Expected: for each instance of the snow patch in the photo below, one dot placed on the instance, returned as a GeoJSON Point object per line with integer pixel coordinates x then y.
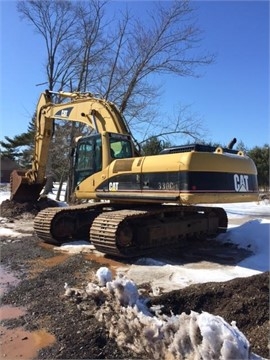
{"type": "Point", "coordinates": [145, 330]}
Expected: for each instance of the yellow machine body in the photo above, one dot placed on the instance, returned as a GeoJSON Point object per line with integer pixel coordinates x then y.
{"type": "Point", "coordinates": [134, 197]}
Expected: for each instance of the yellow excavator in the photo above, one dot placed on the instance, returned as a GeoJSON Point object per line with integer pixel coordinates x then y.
{"type": "Point", "coordinates": [129, 205]}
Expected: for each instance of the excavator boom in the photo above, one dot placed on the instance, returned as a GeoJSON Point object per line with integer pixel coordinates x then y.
{"type": "Point", "coordinates": [99, 114]}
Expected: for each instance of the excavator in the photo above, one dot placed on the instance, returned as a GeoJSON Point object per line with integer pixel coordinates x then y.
{"type": "Point", "coordinates": [129, 205]}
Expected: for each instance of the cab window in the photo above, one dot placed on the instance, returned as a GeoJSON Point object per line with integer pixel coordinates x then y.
{"type": "Point", "coordinates": [120, 149]}
{"type": "Point", "coordinates": [88, 158]}
{"type": "Point", "coordinates": [85, 158]}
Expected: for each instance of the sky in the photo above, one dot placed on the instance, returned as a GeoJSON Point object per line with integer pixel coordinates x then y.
{"type": "Point", "coordinates": [231, 97]}
{"type": "Point", "coordinates": [164, 276]}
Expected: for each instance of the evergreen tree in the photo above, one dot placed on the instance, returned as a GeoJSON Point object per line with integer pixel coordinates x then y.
{"type": "Point", "coordinates": [153, 146]}
{"type": "Point", "coordinates": [260, 156]}
{"type": "Point", "coordinates": [8, 149]}
{"type": "Point", "coordinates": [20, 148]}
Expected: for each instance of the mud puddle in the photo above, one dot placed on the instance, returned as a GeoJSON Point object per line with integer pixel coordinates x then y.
{"type": "Point", "coordinates": [21, 344]}
{"type": "Point", "coordinates": [7, 280]}
{"type": "Point", "coordinates": [17, 342]}
{"type": "Point", "coordinates": [11, 312]}
{"type": "Point", "coordinates": [40, 264]}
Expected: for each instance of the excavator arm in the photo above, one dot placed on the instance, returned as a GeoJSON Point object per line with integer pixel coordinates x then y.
{"type": "Point", "coordinates": [99, 114]}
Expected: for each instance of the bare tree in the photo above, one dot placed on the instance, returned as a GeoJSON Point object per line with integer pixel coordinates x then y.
{"type": "Point", "coordinates": [90, 30]}
{"type": "Point", "coordinates": [117, 56]}
{"type": "Point", "coordinates": [183, 124]}
{"type": "Point", "coordinates": [164, 43]}
{"type": "Point", "coordinates": [54, 21]}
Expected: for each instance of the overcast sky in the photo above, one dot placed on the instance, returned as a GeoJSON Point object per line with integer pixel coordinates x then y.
{"type": "Point", "coordinates": [231, 98]}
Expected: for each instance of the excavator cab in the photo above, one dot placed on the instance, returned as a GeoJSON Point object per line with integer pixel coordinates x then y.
{"type": "Point", "coordinates": [95, 152]}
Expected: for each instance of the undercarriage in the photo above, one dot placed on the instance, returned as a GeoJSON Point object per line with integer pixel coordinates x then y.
{"type": "Point", "coordinates": [125, 231]}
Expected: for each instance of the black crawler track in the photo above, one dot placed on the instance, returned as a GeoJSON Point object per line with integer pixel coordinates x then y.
{"type": "Point", "coordinates": [129, 232]}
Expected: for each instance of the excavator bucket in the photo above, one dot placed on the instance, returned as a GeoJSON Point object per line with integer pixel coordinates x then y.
{"type": "Point", "coordinates": [21, 190]}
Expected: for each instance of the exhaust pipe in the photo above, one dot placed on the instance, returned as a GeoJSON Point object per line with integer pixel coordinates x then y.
{"type": "Point", "coordinates": [232, 143]}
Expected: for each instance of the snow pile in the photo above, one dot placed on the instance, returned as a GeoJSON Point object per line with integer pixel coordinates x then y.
{"type": "Point", "coordinates": [104, 275]}
{"type": "Point", "coordinates": [147, 332]}
{"type": "Point", "coordinates": [253, 235]}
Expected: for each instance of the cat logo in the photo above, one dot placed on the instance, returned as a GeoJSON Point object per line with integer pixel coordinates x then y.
{"type": "Point", "coordinates": [113, 186]}
{"type": "Point", "coordinates": [64, 113]}
{"type": "Point", "coordinates": [241, 183]}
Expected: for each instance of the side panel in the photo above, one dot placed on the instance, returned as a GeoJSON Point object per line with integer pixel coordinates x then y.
{"type": "Point", "coordinates": [182, 178]}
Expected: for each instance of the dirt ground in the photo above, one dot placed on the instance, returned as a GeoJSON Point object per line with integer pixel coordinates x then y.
{"type": "Point", "coordinates": [43, 273]}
